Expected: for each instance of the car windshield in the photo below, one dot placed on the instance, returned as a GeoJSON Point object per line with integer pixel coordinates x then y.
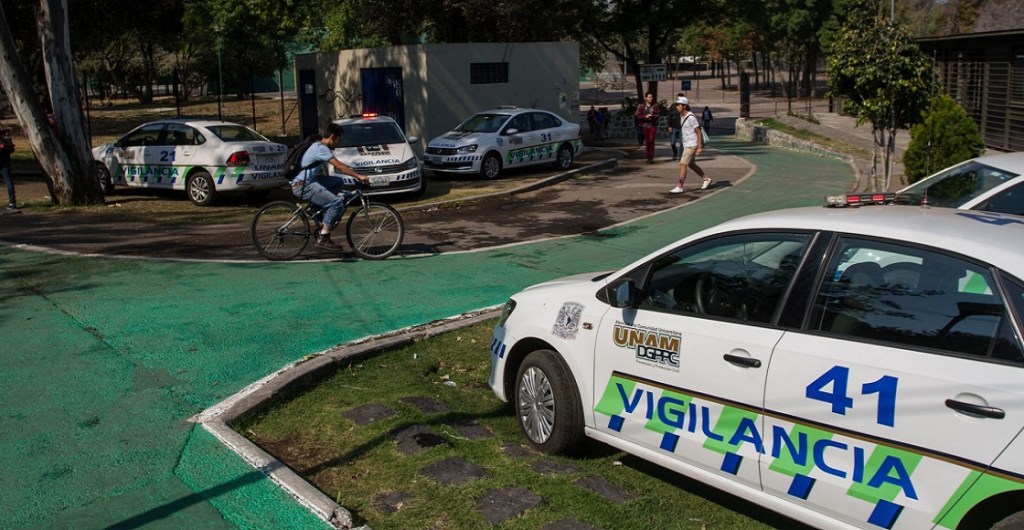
{"type": "Point", "coordinates": [956, 186]}
{"type": "Point", "coordinates": [236, 133]}
{"type": "Point", "coordinates": [484, 123]}
{"type": "Point", "coordinates": [359, 134]}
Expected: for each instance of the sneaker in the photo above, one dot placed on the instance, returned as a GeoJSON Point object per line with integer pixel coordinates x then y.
{"type": "Point", "coordinates": [324, 241]}
{"type": "Point", "coordinates": [707, 184]}
{"type": "Point", "coordinates": [12, 206]}
{"type": "Point", "coordinates": [677, 189]}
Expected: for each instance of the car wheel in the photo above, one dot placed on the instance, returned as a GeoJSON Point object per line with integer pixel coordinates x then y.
{"type": "Point", "coordinates": [1013, 522]}
{"type": "Point", "coordinates": [491, 167]}
{"type": "Point", "coordinates": [564, 160]}
{"type": "Point", "coordinates": [106, 182]}
{"type": "Point", "coordinates": [200, 188]}
{"type": "Point", "coordinates": [547, 403]}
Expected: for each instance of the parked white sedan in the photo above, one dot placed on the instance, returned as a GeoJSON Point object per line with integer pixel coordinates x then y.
{"type": "Point", "coordinates": [991, 183]}
{"type": "Point", "coordinates": [202, 157]}
{"type": "Point", "coordinates": [375, 146]}
{"type": "Point", "coordinates": [850, 368]}
{"type": "Point", "coordinates": [491, 141]}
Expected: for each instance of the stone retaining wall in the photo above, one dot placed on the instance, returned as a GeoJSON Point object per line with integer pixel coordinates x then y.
{"type": "Point", "coordinates": [749, 130]}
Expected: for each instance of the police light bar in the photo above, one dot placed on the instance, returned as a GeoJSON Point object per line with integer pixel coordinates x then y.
{"type": "Point", "coordinates": [859, 199]}
{"type": "Point", "coordinates": [369, 115]}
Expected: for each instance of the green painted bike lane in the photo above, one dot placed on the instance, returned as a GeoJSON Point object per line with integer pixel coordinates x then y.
{"type": "Point", "coordinates": [104, 360]}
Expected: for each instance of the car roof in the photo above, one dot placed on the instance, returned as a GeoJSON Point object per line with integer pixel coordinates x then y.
{"type": "Point", "coordinates": [200, 122]}
{"type": "Point", "coordinates": [510, 110]}
{"type": "Point", "coordinates": [357, 119]}
{"type": "Point", "coordinates": [1012, 162]}
{"type": "Point", "coordinates": [994, 238]}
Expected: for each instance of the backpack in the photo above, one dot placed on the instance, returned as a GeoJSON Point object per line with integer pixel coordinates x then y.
{"type": "Point", "coordinates": [293, 160]}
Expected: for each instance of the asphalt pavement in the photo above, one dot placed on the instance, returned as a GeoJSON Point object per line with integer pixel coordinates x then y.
{"type": "Point", "coordinates": [106, 359]}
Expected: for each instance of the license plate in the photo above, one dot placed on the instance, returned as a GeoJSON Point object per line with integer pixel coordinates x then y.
{"type": "Point", "coordinates": [379, 180]}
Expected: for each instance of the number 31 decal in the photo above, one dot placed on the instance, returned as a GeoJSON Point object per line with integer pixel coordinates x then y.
{"type": "Point", "coordinates": [833, 388]}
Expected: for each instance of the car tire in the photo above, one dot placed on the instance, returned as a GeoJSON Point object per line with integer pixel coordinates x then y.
{"type": "Point", "coordinates": [547, 403]}
{"type": "Point", "coordinates": [565, 156]}
{"type": "Point", "coordinates": [490, 168]}
{"type": "Point", "coordinates": [1013, 522]}
{"type": "Point", "coordinates": [200, 188]}
{"type": "Point", "coordinates": [106, 182]}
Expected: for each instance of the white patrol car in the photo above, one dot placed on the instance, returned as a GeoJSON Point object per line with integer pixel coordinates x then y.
{"type": "Point", "coordinates": [375, 146]}
{"type": "Point", "coordinates": [202, 157]}
{"type": "Point", "coordinates": [849, 368]}
{"type": "Point", "coordinates": [991, 183]}
{"type": "Point", "coordinates": [493, 140]}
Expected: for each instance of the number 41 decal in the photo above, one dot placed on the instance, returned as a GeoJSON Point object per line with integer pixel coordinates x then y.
{"type": "Point", "coordinates": [833, 388]}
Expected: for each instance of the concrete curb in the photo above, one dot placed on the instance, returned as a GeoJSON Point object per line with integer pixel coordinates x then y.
{"type": "Point", "coordinates": [306, 371]}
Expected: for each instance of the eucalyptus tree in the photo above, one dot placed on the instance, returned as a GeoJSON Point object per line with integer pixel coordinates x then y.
{"type": "Point", "coordinates": [62, 150]}
{"type": "Point", "coordinates": [884, 77]}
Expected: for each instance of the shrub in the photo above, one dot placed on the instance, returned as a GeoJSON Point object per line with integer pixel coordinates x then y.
{"type": "Point", "coordinates": [946, 136]}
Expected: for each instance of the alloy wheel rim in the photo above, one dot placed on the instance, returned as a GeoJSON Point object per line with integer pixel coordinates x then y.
{"type": "Point", "coordinates": [536, 405]}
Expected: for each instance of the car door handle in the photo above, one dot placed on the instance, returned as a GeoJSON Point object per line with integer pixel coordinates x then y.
{"type": "Point", "coordinates": [979, 410]}
{"type": "Point", "coordinates": [742, 361]}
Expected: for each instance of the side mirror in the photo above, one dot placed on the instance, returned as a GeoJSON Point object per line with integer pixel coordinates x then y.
{"type": "Point", "coordinates": [510, 132]}
{"type": "Point", "coordinates": [412, 139]}
{"type": "Point", "coordinates": [622, 293]}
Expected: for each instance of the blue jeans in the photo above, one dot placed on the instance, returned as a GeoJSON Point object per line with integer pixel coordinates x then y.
{"type": "Point", "coordinates": [674, 138]}
{"type": "Point", "coordinates": [327, 192]}
{"type": "Point", "coordinates": [5, 168]}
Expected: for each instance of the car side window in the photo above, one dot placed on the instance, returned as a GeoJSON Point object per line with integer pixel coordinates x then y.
{"type": "Point", "coordinates": [544, 121]}
{"type": "Point", "coordinates": [742, 276]}
{"type": "Point", "coordinates": [146, 135]}
{"type": "Point", "coordinates": [909, 296]}
{"type": "Point", "coordinates": [179, 134]}
{"type": "Point", "coordinates": [1007, 201]}
{"type": "Point", "coordinates": [520, 123]}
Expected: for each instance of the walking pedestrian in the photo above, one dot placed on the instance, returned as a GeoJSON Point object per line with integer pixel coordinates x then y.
{"type": "Point", "coordinates": [706, 118]}
{"type": "Point", "coordinates": [647, 119]}
{"type": "Point", "coordinates": [6, 148]}
{"type": "Point", "coordinates": [693, 145]}
{"type": "Point", "coordinates": [673, 129]}
{"type": "Point", "coordinates": [600, 125]}
{"type": "Point", "coordinates": [592, 120]}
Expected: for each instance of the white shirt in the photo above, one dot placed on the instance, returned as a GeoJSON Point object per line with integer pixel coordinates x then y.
{"type": "Point", "coordinates": [689, 127]}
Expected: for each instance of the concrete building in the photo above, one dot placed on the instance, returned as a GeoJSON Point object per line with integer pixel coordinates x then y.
{"type": "Point", "coordinates": [430, 88]}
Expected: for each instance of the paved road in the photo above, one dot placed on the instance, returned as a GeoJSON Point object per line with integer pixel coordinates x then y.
{"type": "Point", "coordinates": [105, 360]}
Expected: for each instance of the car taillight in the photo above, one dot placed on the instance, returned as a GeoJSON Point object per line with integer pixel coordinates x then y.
{"type": "Point", "coordinates": [239, 158]}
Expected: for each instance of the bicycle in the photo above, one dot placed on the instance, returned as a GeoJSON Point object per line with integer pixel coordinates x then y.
{"type": "Point", "coordinates": [281, 229]}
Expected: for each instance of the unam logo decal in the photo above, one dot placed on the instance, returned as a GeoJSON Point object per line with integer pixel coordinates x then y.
{"type": "Point", "coordinates": [568, 321]}
{"type": "Point", "coordinates": [654, 347]}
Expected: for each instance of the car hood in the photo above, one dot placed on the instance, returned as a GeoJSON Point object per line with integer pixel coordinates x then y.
{"type": "Point", "coordinates": [457, 139]}
{"type": "Point", "coordinates": [374, 155]}
{"type": "Point", "coordinates": [587, 279]}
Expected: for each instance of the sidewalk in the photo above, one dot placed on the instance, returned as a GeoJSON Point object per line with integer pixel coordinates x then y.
{"type": "Point", "coordinates": [725, 105]}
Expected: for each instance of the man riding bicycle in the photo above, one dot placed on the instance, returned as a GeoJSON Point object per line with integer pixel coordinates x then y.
{"type": "Point", "coordinates": [319, 187]}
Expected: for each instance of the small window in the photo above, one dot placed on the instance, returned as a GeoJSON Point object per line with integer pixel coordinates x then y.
{"type": "Point", "coordinates": [913, 297]}
{"type": "Point", "coordinates": [178, 134]}
{"type": "Point", "coordinates": [1010, 200]}
{"type": "Point", "coordinates": [543, 120]}
{"type": "Point", "coordinates": [742, 277]}
{"type": "Point", "coordinates": [488, 73]}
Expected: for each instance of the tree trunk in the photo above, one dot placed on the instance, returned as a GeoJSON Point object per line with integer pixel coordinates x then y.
{"type": "Point", "coordinates": [878, 133]}
{"type": "Point", "coordinates": [62, 151]}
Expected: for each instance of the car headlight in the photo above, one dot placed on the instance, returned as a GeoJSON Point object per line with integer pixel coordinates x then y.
{"type": "Point", "coordinates": [412, 163]}
{"type": "Point", "coordinates": [466, 149]}
{"type": "Point", "coordinates": [506, 311]}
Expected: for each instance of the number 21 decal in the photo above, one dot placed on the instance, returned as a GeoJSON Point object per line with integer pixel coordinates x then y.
{"type": "Point", "coordinates": [833, 388]}
{"type": "Point", "coordinates": [167, 156]}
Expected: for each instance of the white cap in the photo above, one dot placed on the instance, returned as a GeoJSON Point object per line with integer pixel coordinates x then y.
{"type": "Point", "coordinates": [682, 100]}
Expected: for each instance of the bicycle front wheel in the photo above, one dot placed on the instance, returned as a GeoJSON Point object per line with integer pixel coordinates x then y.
{"type": "Point", "coordinates": [280, 230]}
{"type": "Point", "coordinates": [375, 232]}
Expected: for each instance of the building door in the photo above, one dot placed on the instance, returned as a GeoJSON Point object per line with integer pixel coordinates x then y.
{"type": "Point", "coordinates": [308, 122]}
{"type": "Point", "coordinates": [383, 93]}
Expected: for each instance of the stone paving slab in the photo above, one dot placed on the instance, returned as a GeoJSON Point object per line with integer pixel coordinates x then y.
{"type": "Point", "coordinates": [369, 413]}
{"type": "Point", "coordinates": [605, 489]}
{"type": "Point", "coordinates": [454, 471]}
{"type": "Point", "coordinates": [392, 502]}
{"type": "Point", "coordinates": [552, 467]}
{"type": "Point", "coordinates": [497, 506]}
{"type": "Point", "coordinates": [415, 439]}
{"type": "Point", "coordinates": [471, 431]}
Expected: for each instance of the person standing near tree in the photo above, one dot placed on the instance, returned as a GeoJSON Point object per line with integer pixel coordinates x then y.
{"type": "Point", "coordinates": [693, 145]}
{"type": "Point", "coordinates": [6, 148]}
{"type": "Point", "coordinates": [647, 119]}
